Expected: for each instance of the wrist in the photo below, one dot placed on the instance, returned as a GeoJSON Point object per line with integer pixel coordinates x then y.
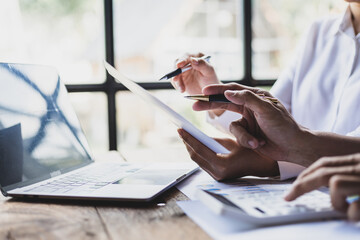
{"type": "Point", "coordinates": [303, 150]}
{"type": "Point", "coordinates": [264, 166]}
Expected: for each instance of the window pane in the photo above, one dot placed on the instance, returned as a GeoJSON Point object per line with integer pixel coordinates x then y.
{"type": "Point", "coordinates": [150, 35]}
{"type": "Point", "coordinates": [145, 132]}
{"type": "Point", "coordinates": [64, 33]}
{"type": "Point", "coordinates": [91, 109]}
{"type": "Point", "coordinates": [278, 26]}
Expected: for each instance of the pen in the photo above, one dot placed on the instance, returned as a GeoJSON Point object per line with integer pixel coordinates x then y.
{"type": "Point", "coordinates": [222, 98]}
{"type": "Point", "coordinates": [181, 70]}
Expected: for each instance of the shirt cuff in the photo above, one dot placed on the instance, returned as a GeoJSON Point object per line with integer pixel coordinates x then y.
{"type": "Point", "coordinates": [355, 133]}
{"type": "Point", "coordinates": [289, 170]}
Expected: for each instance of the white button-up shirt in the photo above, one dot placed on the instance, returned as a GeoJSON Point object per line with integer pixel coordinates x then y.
{"type": "Point", "coordinates": [321, 87]}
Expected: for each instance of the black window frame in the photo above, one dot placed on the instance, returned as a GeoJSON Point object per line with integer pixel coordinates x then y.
{"type": "Point", "coordinates": [110, 87]}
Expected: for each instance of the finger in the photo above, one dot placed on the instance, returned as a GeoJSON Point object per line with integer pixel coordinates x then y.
{"type": "Point", "coordinates": [202, 106]}
{"type": "Point", "coordinates": [176, 82]}
{"type": "Point", "coordinates": [342, 186]}
{"type": "Point", "coordinates": [197, 146]}
{"type": "Point", "coordinates": [197, 158]}
{"type": "Point", "coordinates": [319, 178]}
{"type": "Point", "coordinates": [353, 211]}
{"type": "Point", "coordinates": [250, 100]}
{"type": "Point", "coordinates": [182, 62]}
{"type": "Point", "coordinates": [185, 59]}
{"type": "Point", "coordinates": [243, 137]}
{"type": "Point", "coordinates": [202, 66]}
{"type": "Point", "coordinates": [180, 84]}
{"type": "Point", "coordinates": [305, 185]}
{"type": "Point", "coordinates": [331, 162]}
{"type": "Point", "coordinates": [221, 88]}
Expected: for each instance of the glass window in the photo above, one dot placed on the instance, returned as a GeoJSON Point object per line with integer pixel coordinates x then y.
{"type": "Point", "coordinates": [91, 109]}
{"type": "Point", "coordinates": [142, 127]}
{"type": "Point", "coordinates": [277, 26]}
{"type": "Point", "coordinates": [150, 35]}
{"type": "Point", "coordinates": [63, 33]}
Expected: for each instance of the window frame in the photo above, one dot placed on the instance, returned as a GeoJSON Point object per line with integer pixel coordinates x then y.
{"type": "Point", "coordinates": [110, 87]}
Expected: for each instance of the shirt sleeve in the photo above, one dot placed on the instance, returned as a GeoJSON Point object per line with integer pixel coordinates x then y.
{"type": "Point", "coordinates": [283, 87]}
{"type": "Point", "coordinates": [355, 133]}
{"type": "Point", "coordinates": [289, 170]}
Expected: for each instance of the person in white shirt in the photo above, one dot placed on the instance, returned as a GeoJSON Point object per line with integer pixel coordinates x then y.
{"type": "Point", "coordinates": [321, 90]}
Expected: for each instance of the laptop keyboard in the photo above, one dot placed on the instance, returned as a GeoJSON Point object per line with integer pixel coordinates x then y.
{"type": "Point", "coordinates": [267, 200]}
{"type": "Point", "coordinates": [87, 180]}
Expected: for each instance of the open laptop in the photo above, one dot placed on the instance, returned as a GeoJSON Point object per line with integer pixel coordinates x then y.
{"type": "Point", "coordinates": [44, 152]}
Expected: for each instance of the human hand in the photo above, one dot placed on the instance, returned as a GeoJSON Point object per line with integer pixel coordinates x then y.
{"type": "Point", "coordinates": [266, 127]}
{"type": "Point", "coordinates": [341, 173]}
{"type": "Point", "coordinates": [194, 80]}
{"type": "Point", "coordinates": [238, 163]}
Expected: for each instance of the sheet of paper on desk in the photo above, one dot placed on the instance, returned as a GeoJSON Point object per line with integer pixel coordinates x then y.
{"type": "Point", "coordinates": [219, 227]}
{"type": "Point", "coordinates": [176, 118]}
{"type": "Point", "coordinates": [202, 180]}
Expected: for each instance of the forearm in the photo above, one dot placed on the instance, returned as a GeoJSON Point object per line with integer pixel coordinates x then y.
{"type": "Point", "coordinates": [314, 145]}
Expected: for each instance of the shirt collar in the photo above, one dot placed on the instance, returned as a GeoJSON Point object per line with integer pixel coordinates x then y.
{"type": "Point", "coordinates": [344, 24]}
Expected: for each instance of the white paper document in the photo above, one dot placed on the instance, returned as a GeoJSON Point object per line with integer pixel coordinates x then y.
{"type": "Point", "coordinates": [220, 227]}
{"type": "Point", "coordinates": [175, 117]}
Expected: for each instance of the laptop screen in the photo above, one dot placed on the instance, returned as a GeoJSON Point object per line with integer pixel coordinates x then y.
{"type": "Point", "coordinates": [40, 135]}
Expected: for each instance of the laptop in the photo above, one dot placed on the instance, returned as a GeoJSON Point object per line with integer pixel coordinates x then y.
{"type": "Point", "coordinates": [44, 152]}
{"type": "Point", "coordinates": [260, 202]}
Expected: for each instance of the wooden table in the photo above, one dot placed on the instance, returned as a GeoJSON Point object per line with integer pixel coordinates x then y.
{"type": "Point", "coordinates": [84, 220]}
{"type": "Point", "coordinates": [57, 219]}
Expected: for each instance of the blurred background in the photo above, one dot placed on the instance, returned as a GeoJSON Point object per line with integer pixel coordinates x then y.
{"type": "Point", "coordinates": [144, 38]}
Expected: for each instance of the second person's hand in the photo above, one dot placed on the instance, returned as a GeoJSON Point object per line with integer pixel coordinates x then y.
{"type": "Point", "coordinates": [193, 81]}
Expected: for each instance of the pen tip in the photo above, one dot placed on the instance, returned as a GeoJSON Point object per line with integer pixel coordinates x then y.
{"type": "Point", "coordinates": [163, 78]}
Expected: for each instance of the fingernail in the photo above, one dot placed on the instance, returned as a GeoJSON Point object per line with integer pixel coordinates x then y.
{"type": "Point", "coordinates": [194, 61]}
{"type": "Point", "coordinates": [230, 93]}
{"type": "Point", "coordinates": [181, 63]}
{"type": "Point", "coordinates": [286, 197]}
{"type": "Point", "coordinates": [252, 144]}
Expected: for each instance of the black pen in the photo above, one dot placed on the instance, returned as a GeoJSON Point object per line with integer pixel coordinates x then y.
{"type": "Point", "coordinates": [222, 98]}
{"type": "Point", "coordinates": [181, 70]}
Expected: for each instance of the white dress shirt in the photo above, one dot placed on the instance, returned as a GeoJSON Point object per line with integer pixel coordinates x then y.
{"type": "Point", "coordinates": [321, 87]}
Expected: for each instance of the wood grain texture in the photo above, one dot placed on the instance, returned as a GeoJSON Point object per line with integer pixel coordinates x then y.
{"type": "Point", "coordinates": [153, 222]}
{"type": "Point", "coordinates": [24, 220]}
{"type": "Point", "coordinates": [89, 220]}
{"type": "Point", "coordinates": [80, 220]}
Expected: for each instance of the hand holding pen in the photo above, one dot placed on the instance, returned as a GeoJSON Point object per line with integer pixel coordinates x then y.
{"type": "Point", "coordinates": [193, 80]}
{"type": "Point", "coordinates": [180, 70]}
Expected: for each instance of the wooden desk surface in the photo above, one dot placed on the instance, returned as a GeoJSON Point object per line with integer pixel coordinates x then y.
{"type": "Point", "coordinates": [85, 220]}
{"type": "Point", "coordinates": [81, 220]}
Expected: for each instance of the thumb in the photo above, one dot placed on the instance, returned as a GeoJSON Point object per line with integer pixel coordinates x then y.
{"type": "Point", "coordinates": [202, 66]}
